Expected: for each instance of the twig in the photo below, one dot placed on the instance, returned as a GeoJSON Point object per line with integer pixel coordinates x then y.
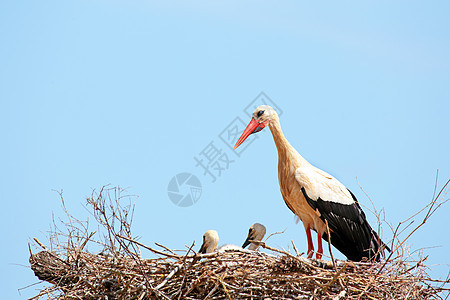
{"type": "Point", "coordinates": [149, 248]}
{"type": "Point", "coordinates": [333, 261]}
{"type": "Point", "coordinates": [159, 286]}
{"type": "Point", "coordinates": [430, 212]}
{"type": "Point", "coordinates": [329, 246]}
{"type": "Point", "coordinates": [40, 244]}
{"type": "Point", "coordinates": [325, 288]}
{"type": "Point", "coordinates": [164, 247]}
{"type": "Point", "coordinates": [275, 233]}
{"type": "Point", "coordinates": [120, 271]}
{"type": "Point", "coordinates": [295, 248]}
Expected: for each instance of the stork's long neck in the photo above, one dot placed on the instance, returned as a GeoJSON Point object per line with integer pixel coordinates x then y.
{"type": "Point", "coordinates": [285, 151]}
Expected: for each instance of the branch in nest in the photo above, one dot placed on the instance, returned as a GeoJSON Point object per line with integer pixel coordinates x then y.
{"type": "Point", "coordinates": [119, 271]}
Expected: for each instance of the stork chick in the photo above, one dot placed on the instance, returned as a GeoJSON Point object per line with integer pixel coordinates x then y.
{"type": "Point", "coordinates": [255, 233]}
{"type": "Point", "coordinates": [210, 242]}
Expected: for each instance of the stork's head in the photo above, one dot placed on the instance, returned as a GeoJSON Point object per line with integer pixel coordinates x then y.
{"type": "Point", "coordinates": [255, 233]}
{"type": "Point", "coordinates": [210, 241]}
{"type": "Point", "coordinates": [262, 116]}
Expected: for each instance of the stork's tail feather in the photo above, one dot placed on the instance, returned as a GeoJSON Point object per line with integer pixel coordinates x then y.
{"type": "Point", "coordinates": [378, 248]}
{"type": "Point", "coordinates": [372, 250]}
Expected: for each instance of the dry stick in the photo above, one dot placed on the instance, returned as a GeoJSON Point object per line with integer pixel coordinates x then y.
{"type": "Point", "coordinates": [334, 263]}
{"type": "Point", "coordinates": [53, 254]}
{"type": "Point", "coordinates": [100, 213]}
{"type": "Point", "coordinates": [447, 281]}
{"type": "Point", "coordinates": [417, 264]}
{"type": "Point", "coordinates": [249, 285]}
{"type": "Point", "coordinates": [142, 296]}
{"type": "Point", "coordinates": [187, 253]}
{"type": "Point", "coordinates": [295, 248]}
{"type": "Point", "coordinates": [434, 199]}
{"type": "Point", "coordinates": [42, 293]}
{"type": "Point", "coordinates": [164, 247]}
{"type": "Point", "coordinates": [368, 286]}
{"type": "Point", "coordinates": [374, 211]}
{"type": "Point", "coordinates": [301, 259]}
{"type": "Point", "coordinates": [167, 254]}
{"type": "Point", "coordinates": [149, 248]}
{"type": "Point", "coordinates": [64, 206]}
{"type": "Point", "coordinates": [28, 286]}
{"type": "Point", "coordinates": [40, 244]}
{"type": "Point", "coordinates": [85, 242]}
{"type": "Point", "coordinates": [156, 291]}
{"type": "Point", "coordinates": [167, 278]}
{"type": "Point", "coordinates": [329, 246]}
{"type": "Point", "coordinates": [435, 183]}
{"type": "Point", "coordinates": [325, 288]}
{"type": "Point", "coordinates": [275, 233]}
{"type": "Point", "coordinates": [212, 291]}
{"type": "Point", "coordinates": [81, 247]}
{"type": "Point", "coordinates": [423, 208]}
{"type": "Point", "coordinates": [183, 261]}
{"type": "Point", "coordinates": [199, 278]}
{"type": "Point", "coordinates": [427, 216]}
{"type": "Point", "coordinates": [139, 264]}
{"type": "Point", "coordinates": [223, 285]}
{"type": "Point", "coordinates": [341, 295]}
{"type": "Point", "coordinates": [377, 214]}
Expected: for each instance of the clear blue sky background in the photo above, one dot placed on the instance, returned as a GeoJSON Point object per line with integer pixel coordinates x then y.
{"type": "Point", "coordinates": [129, 92]}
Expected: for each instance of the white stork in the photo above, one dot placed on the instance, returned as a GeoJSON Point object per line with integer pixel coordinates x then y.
{"type": "Point", "coordinates": [255, 233]}
{"type": "Point", "coordinates": [210, 242]}
{"type": "Point", "coordinates": [317, 197]}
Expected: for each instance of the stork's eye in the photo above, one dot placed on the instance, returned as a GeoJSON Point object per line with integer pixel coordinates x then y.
{"type": "Point", "coordinates": [260, 113]}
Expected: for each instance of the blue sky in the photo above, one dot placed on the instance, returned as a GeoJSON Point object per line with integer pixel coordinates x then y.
{"type": "Point", "coordinates": [128, 92]}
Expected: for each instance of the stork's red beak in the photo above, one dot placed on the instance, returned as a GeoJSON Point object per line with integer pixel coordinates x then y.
{"type": "Point", "coordinates": [252, 127]}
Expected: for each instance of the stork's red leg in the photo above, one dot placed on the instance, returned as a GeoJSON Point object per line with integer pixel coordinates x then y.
{"type": "Point", "coordinates": [319, 246]}
{"type": "Point", "coordinates": [310, 243]}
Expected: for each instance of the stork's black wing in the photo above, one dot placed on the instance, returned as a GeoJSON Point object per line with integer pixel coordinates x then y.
{"type": "Point", "coordinates": [350, 232]}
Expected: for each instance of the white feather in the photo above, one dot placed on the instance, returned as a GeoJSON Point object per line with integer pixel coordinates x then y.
{"type": "Point", "coordinates": [319, 184]}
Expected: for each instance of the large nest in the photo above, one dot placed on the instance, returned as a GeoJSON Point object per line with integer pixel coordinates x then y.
{"type": "Point", "coordinates": [119, 271]}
